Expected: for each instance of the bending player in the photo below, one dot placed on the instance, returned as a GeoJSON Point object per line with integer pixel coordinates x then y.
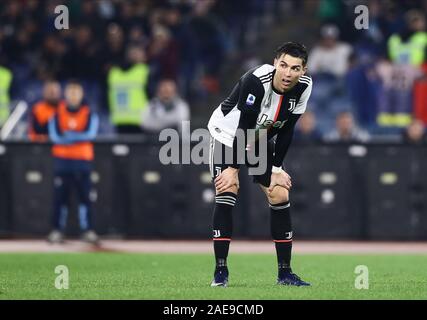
{"type": "Point", "coordinates": [270, 97]}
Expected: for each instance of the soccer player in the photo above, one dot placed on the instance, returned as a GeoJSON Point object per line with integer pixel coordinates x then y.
{"type": "Point", "coordinates": [270, 97]}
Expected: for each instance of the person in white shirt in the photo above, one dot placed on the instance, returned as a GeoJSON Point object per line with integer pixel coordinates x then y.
{"type": "Point", "coordinates": [330, 56]}
{"type": "Point", "coordinates": [166, 110]}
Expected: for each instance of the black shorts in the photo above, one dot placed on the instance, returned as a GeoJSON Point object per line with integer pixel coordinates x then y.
{"type": "Point", "coordinates": [217, 161]}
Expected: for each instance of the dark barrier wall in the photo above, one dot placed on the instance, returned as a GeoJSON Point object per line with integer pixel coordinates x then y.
{"type": "Point", "coordinates": [339, 192]}
{"type": "Point", "coordinates": [5, 196]}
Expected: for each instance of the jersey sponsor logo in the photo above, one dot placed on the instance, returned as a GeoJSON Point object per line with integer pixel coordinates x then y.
{"type": "Point", "coordinates": [264, 122]}
{"type": "Point", "coordinates": [250, 100]}
{"type": "Point", "coordinates": [292, 104]}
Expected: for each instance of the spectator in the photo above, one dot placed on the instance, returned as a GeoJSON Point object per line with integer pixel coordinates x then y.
{"type": "Point", "coordinates": [306, 131]}
{"type": "Point", "coordinates": [113, 50]}
{"type": "Point", "coordinates": [330, 56]}
{"type": "Point", "coordinates": [395, 107]}
{"type": "Point", "coordinates": [43, 111]}
{"type": "Point", "coordinates": [166, 110]}
{"type": "Point", "coordinates": [207, 39]}
{"type": "Point", "coordinates": [51, 58]}
{"type": "Point", "coordinates": [5, 84]}
{"type": "Point", "coordinates": [81, 59]}
{"type": "Point", "coordinates": [127, 86]}
{"type": "Point", "coordinates": [409, 47]}
{"type": "Point", "coordinates": [415, 133]}
{"type": "Point", "coordinates": [407, 53]}
{"type": "Point", "coordinates": [163, 55]}
{"type": "Point", "coordinates": [361, 77]}
{"type": "Point", "coordinates": [346, 130]}
{"type": "Point", "coordinates": [72, 131]}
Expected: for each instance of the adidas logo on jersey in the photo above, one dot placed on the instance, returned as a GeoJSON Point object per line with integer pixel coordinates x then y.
{"type": "Point", "coordinates": [264, 122]}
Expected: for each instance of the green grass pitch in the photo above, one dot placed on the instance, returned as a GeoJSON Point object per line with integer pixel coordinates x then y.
{"type": "Point", "coordinates": [187, 276]}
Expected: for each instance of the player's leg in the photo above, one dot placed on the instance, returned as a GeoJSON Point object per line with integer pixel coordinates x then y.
{"type": "Point", "coordinates": [281, 232]}
{"type": "Point", "coordinates": [61, 192]}
{"type": "Point", "coordinates": [222, 215]}
{"type": "Point", "coordinates": [84, 187]}
{"type": "Point", "coordinates": [280, 222]}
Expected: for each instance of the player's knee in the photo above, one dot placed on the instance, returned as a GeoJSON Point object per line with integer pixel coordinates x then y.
{"type": "Point", "coordinates": [278, 195]}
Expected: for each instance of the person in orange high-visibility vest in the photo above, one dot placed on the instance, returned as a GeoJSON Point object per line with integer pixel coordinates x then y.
{"type": "Point", "coordinates": [43, 111]}
{"type": "Point", "coordinates": [72, 130]}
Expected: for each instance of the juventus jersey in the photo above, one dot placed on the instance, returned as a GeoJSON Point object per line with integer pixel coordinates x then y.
{"type": "Point", "coordinates": [254, 104]}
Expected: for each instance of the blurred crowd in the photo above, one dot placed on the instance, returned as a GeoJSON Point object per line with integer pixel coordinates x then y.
{"type": "Point", "coordinates": [369, 83]}
{"type": "Point", "coordinates": [183, 41]}
{"type": "Point", "coordinates": [143, 64]}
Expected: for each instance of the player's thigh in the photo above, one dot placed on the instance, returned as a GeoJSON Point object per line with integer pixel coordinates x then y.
{"type": "Point", "coordinates": [278, 195]}
{"type": "Point", "coordinates": [264, 177]}
{"type": "Point", "coordinates": [217, 163]}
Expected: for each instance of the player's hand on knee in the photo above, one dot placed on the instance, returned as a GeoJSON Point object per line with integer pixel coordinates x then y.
{"type": "Point", "coordinates": [227, 179]}
{"type": "Point", "coordinates": [280, 179]}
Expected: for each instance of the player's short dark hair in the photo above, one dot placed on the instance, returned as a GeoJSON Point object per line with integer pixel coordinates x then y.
{"type": "Point", "coordinates": [294, 49]}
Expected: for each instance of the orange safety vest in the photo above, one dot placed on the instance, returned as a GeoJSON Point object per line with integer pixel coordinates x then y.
{"type": "Point", "coordinates": [73, 121]}
{"type": "Point", "coordinates": [42, 113]}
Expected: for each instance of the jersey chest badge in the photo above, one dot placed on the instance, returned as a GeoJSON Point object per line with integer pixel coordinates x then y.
{"type": "Point", "coordinates": [292, 104]}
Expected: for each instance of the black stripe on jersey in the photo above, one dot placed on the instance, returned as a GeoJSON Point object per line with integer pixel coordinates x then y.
{"type": "Point", "coordinates": [266, 76]}
{"type": "Point", "coordinates": [304, 81]}
{"type": "Point", "coordinates": [267, 80]}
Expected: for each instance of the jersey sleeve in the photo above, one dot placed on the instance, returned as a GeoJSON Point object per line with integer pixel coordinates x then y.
{"type": "Point", "coordinates": [250, 97]}
{"type": "Point", "coordinates": [302, 103]}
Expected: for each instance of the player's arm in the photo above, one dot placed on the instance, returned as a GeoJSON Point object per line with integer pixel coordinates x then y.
{"type": "Point", "coordinates": [250, 96]}
{"type": "Point", "coordinates": [283, 141]}
{"type": "Point", "coordinates": [249, 104]}
{"type": "Point", "coordinates": [89, 133]}
{"type": "Point", "coordinates": [55, 133]}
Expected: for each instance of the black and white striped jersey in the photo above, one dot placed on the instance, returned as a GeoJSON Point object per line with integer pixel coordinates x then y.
{"type": "Point", "coordinates": [254, 104]}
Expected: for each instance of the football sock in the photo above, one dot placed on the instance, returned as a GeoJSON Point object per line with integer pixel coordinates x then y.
{"type": "Point", "coordinates": [223, 226]}
{"type": "Point", "coordinates": [281, 232]}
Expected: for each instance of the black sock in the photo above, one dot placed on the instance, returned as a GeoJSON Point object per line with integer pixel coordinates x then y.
{"type": "Point", "coordinates": [223, 226]}
{"type": "Point", "coordinates": [281, 232]}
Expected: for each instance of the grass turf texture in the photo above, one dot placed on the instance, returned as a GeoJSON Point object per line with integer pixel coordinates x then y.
{"type": "Point", "coordinates": [187, 276]}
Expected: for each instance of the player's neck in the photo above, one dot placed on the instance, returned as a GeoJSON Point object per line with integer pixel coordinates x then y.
{"type": "Point", "coordinates": [278, 91]}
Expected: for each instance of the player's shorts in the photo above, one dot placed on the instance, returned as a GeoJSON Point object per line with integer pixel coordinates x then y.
{"type": "Point", "coordinates": [218, 163]}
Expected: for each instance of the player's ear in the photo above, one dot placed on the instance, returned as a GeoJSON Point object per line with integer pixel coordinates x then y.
{"type": "Point", "coordinates": [304, 70]}
{"type": "Point", "coordinates": [275, 61]}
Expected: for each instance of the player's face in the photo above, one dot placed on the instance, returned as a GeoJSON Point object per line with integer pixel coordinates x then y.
{"type": "Point", "coordinates": [52, 92]}
{"type": "Point", "coordinates": [288, 71]}
{"type": "Point", "coordinates": [74, 95]}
